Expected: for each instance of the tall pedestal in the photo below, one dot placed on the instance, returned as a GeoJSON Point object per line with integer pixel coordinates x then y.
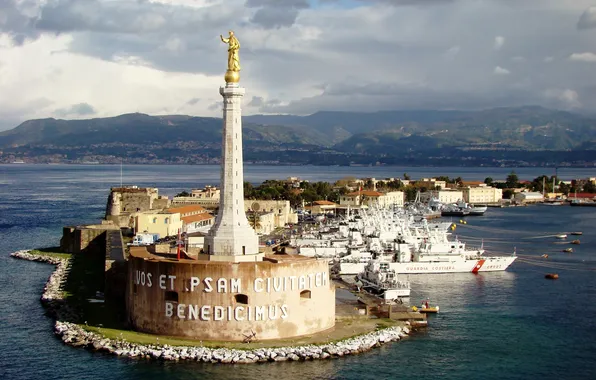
{"type": "Point", "coordinates": [232, 238]}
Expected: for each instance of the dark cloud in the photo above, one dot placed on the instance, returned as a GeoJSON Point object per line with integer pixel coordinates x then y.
{"type": "Point", "coordinates": [256, 101]}
{"type": "Point", "coordinates": [588, 19]}
{"type": "Point", "coordinates": [273, 14]}
{"type": "Point", "coordinates": [81, 109]}
{"type": "Point", "coordinates": [193, 101]}
{"type": "Point", "coordinates": [214, 106]}
{"type": "Point", "coordinates": [17, 19]}
{"type": "Point", "coordinates": [127, 17]}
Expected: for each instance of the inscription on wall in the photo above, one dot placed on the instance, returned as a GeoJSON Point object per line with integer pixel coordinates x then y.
{"type": "Point", "coordinates": [229, 285]}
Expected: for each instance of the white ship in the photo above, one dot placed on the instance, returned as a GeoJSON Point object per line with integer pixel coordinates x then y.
{"type": "Point", "coordinates": [381, 279]}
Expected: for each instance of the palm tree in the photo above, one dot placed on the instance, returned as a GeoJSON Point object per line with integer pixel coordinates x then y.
{"type": "Point", "coordinates": [255, 221]}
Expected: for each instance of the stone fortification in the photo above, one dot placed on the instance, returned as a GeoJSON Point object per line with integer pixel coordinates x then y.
{"type": "Point", "coordinates": [123, 202]}
{"type": "Point", "coordinates": [89, 238]}
{"type": "Point", "coordinates": [75, 335]}
{"type": "Point", "coordinates": [280, 297]}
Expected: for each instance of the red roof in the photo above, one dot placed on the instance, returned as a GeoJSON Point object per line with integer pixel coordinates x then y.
{"type": "Point", "coordinates": [581, 196]}
{"type": "Point", "coordinates": [187, 209]}
{"type": "Point", "coordinates": [324, 203]}
{"type": "Point", "coordinates": [366, 193]}
{"type": "Point", "coordinates": [196, 218]}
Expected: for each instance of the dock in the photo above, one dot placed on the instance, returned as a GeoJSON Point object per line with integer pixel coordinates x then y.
{"type": "Point", "coordinates": [366, 304]}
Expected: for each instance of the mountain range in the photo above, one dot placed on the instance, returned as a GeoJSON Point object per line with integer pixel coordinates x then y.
{"type": "Point", "coordinates": [334, 137]}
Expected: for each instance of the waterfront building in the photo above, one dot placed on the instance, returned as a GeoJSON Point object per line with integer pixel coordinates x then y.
{"type": "Point", "coordinates": [529, 197]}
{"type": "Point", "coordinates": [230, 291]}
{"type": "Point", "coordinates": [482, 195]}
{"type": "Point", "coordinates": [371, 198]}
{"type": "Point", "coordinates": [164, 223]}
{"type": "Point", "coordinates": [449, 196]}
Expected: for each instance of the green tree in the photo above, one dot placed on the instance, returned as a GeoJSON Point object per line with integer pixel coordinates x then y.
{"type": "Point", "coordinates": [512, 181]}
{"type": "Point", "coordinates": [406, 177]}
{"type": "Point", "coordinates": [589, 187]}
{"type": "Point", "coordinates": [489, 181]}
{"type": "Point", "coordinates": [564, 188]}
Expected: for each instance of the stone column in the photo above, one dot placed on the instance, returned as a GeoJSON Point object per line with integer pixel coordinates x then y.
{"type": "Point", "coordinates": [231, 237]}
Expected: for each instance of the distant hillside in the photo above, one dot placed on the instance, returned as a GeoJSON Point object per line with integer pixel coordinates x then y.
{"type": "Point", "coordinates": [488, 137]}
{"type": "Point", "coordinates": [529, 127]}
{"type": "Point", "coordinates": [139, 128]}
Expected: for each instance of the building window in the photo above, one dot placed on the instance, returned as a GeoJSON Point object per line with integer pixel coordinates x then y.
{"type": "Point", "coordinates": [172, 296]}
{"type": "Point", "coordinates": [154, 220]}
{"type": "Point", "coordinates": [166, 220]}
{"type": "Point", "coordinates": [305, 294]}
{"type": "Point", "coordinates": [123, 208]}
{"type": "Point", "coordinates": [244, 250]}
{"type": "Point", "coordinates": [241, 298]}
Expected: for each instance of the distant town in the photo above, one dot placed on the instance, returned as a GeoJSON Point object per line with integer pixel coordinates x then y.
{"type": "Point", "coordinates": [276, 203]}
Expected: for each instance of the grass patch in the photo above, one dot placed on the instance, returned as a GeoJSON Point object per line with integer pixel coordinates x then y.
{"type": "Point", "coordinates": [343, 330]}
{"type": "Point", "coordinates": [51, 252]}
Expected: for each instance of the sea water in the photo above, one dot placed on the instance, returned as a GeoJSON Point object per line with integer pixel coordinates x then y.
{"type": "Point", "coordinates": [506, 325]}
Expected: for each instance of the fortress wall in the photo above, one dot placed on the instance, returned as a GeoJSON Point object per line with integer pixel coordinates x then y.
{"type": "Point", "coordinates": [229, 301]}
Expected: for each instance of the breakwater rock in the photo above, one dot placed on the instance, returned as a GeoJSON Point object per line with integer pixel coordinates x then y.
{"type": "Point", "coordinates": [75, 335]}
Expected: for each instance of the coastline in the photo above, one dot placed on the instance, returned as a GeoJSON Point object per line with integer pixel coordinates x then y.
{"type": "Point", "coordinates": [74, 335]}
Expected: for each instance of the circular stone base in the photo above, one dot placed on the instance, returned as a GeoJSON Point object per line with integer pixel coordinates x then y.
{"type": "Point", "coordinates": [232, 76]}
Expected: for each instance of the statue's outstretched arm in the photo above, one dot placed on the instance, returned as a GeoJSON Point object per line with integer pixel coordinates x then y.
{"type": "Point", "coordinates": [226, 40]}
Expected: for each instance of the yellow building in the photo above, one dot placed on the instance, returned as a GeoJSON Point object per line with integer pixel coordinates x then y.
{"type": "Point", "coordinates": [372, 198]}
{"type": "Point", "coordinates": [163, 223]}
{"type": "Point", "coordinates": [482, 195]}
{"type": "Point", "coordinates": [449, 196]}
{"type": "Point", "coordinates": [323, 207]}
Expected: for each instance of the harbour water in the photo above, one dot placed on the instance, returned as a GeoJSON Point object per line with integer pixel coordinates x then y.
{"type": "Point", "coordinates": [513, 324]}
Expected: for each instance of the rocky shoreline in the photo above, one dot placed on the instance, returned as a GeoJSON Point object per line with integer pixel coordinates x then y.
{"type": "Point", "coordinates": [74, 335]}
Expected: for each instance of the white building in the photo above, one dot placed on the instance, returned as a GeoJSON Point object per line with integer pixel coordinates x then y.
{"type": "Point", "coordinates": [529, 197]}
{"type": "Point", "coordinates": [282, 211]}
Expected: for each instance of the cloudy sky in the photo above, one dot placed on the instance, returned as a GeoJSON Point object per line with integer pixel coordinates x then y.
{"type": "Point", "coordinates": [95, 58]}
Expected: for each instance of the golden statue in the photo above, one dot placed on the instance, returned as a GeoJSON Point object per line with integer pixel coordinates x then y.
{"type": "Point", "coordinates": [233, 73]}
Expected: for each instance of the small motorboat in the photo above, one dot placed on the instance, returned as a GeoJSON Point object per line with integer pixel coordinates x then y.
{"type": "Point", "coordinates": [577, 233]}
{"type": "Point", "coordinates": [575, 242]}
{"type": "Point", "coordinates": [551, 276]}
{"type": "Point", "coordinates": [545, 256]}
{"type": "Point", "coordinates": [562, 236]}
{"type": "Point", "coordinates": [568, 250]}
{"type": "Point", "coordinates": [431, 309]}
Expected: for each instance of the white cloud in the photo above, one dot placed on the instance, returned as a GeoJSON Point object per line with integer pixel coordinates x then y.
{"type": "Point", "coordinates": [499, 42]}
{"type": "Point", "coordinates": [569, 98]}
{"type": "Point", "coordinates": [501, 71]}
{"type": "Point", "coordinates": [583, 57]}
